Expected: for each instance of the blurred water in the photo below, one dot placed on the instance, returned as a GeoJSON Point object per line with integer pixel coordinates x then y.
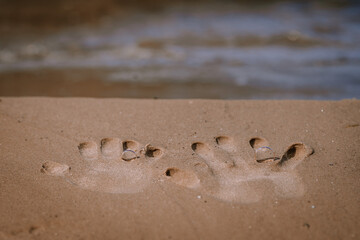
{"type": "Point", "coordinates": [285, 46]}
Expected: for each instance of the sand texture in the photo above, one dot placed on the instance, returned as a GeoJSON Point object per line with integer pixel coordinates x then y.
{"type": "Point", "coordinates": [80, 168]}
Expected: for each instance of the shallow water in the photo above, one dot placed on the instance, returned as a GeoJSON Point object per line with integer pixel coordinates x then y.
{"type": "Point", "coordinates": [292, 51]}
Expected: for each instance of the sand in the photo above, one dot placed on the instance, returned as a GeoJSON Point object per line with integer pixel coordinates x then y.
{"type": "Point", "coordinates": [81, 168]}
{"type": "Point", "coordinates": [70, 82]}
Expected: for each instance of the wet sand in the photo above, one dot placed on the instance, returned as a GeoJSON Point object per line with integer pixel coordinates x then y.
{"type": "Point", "coordinates": [82, 168]}
{"type": "Point", "coordinates": [93, 83]}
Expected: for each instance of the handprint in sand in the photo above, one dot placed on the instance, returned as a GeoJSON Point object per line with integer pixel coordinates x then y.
{"type": "Point", "coordinates": [224, 174]}
{"type": "Point", "coordinates": [114, 166]}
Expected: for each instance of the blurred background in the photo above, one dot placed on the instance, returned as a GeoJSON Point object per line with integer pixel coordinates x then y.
{"type": "Point", "coordinates": [180, 49]}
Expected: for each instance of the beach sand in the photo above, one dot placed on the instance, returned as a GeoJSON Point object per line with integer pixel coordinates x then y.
{"type": "Point", "coordinates": [81, 168]}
